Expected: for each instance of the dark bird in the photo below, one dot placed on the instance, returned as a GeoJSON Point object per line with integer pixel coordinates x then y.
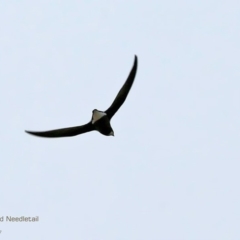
{"type": "Point", "coordinates": [100, 120]}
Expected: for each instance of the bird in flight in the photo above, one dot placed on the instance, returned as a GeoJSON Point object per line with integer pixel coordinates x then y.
{"type": "Point", "coordinates": [100, 120]}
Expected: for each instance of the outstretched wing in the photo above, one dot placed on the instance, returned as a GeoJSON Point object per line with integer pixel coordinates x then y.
{"type": "Point", "coordinates": [122, 94]}
{"type": "Point", "coordinates": [65, 132]}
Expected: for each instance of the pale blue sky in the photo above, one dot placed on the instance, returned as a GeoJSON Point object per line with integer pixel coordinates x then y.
{"type": "Point", "coordinates": [172, 170]}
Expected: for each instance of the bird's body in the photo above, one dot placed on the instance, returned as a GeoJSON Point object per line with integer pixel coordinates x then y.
{"type": "Point", "coordinates": [100, 120]}
{"type": "Point", "coordinates": [101, 123]}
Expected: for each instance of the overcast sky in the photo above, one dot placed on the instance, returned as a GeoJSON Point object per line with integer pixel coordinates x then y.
{"type": "Point", "coordinates": [172, 170]}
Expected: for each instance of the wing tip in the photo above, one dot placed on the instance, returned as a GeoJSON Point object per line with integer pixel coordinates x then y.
{"type": "Point", "coordinates": [31, 133]}
{"type": "Point", "coordinates": [135, 60]}
{"type": "Point", "coordinates": [36, 134]}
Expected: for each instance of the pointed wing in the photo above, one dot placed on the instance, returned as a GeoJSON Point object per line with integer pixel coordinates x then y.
{"type": "Point", "coordinates": [122, 94]}
{"type": "Point", "coordinates": [65, 132]}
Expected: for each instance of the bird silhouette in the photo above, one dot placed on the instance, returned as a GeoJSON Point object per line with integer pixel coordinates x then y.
{"type": "Point", "coordinates": [100, 120]}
